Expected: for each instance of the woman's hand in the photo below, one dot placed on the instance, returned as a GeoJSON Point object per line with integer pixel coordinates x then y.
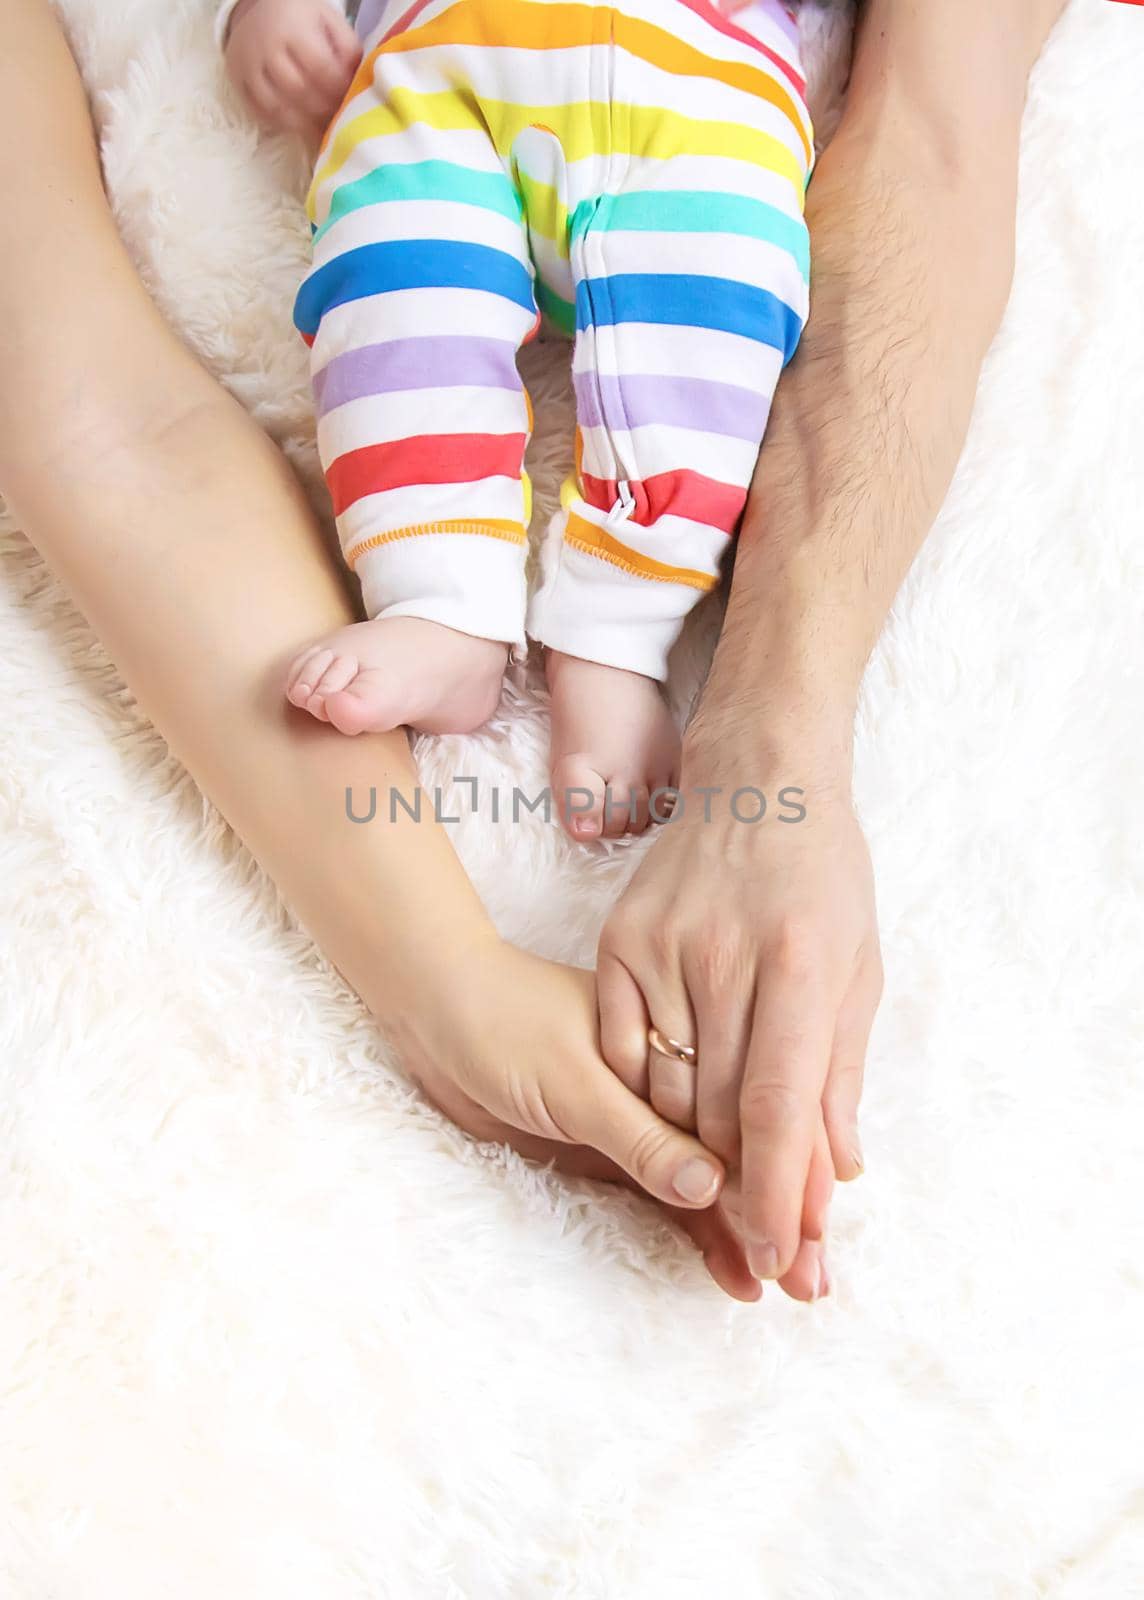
{"type": "Point", "coordinates": [292, 61]}
{"type": "Point", "coordinates": [757, 944]}
{"type": "Point", "coordinates": [508, 1051]}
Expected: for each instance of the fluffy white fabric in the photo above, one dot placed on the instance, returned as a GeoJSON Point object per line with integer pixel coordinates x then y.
{"type": "Point", "coordinates": [270, 1328]}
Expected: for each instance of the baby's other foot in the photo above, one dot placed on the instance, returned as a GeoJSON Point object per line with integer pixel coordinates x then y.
{"type": "Point", "coordinates": [612, 736]}
{"type": "Point", "coordinates": [399, 672]}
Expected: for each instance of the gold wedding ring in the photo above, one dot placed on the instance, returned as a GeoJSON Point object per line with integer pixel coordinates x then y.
{"type": "Point", "coordinates": [671, 1048]}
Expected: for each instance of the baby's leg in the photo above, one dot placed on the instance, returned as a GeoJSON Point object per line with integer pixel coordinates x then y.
{"type": "Point", "coordinates": [419, 298]}
{"type": "Point", "coordinates": [691, 295]}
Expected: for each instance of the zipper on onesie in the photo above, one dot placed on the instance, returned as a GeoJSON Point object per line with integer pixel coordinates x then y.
{"type": "Point", "coordinates": [625, 504]}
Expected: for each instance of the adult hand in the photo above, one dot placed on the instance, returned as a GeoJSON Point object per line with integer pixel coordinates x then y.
{"type": "Point", "coordinates": [508, 1051]}
{"type": "Point", "coordinates": [758, 945]}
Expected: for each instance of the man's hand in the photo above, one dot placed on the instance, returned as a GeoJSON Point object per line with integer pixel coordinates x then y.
{"type": "Point", "coordinates": [757, 943]}
{"type": "Point", "coordinates": [292, 61]}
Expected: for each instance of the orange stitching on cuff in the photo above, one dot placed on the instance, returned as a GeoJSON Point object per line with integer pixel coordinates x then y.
{"type": "Point", "coordinates": [507, 532]}
{"type": "Point", "coordinates": [607, 548]}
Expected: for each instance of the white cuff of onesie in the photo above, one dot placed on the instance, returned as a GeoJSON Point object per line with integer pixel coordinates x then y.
{"type": "Point", "coordinates": [468, 581]}
{"type": "Point", "coordinates": [580, 611]}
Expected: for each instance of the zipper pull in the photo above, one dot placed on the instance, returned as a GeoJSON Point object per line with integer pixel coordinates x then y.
{"type": "Point", "coordinates": [625, 503]}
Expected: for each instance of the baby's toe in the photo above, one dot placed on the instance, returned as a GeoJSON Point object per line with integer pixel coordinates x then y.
{"type": "Point", "coordinates": [626, 808]}
{"type": "Point", "coordinates": [578, 794]}
{"type": "Point", "coordinates": [349, 710]}
{"type": "Point", "coordinates": [305, 673]}
{"type": "Point", "coordinates": [341, 671]}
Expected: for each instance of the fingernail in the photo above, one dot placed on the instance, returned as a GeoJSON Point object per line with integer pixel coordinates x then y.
{"type": "Point", "coordinates": [820, 1283]}
{"type": "Point", "coordinates": [763, 1260]}
{"type": "Point", "coordinates": [696, 1181]}
{"type": "Point", "coordinates": [856, 1155]}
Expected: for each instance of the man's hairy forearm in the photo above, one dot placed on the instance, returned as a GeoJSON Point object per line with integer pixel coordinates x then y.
{"type": "Point", "coordinates": [912, 220]}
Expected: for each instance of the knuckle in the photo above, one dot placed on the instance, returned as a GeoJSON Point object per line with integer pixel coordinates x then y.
{"type": "Point", "coordinates": [627, 1056]}
{"type": "Point", "coordinates": [845, 1077]}
{"type": "Point", "coordinates": [615, 938]}
{"type": "Point", "coordinates": [719, 957]}
{"type": "Point", "coordinates": [769, 1104]}
{"type": "Point", "coordinates": [793, 949]}
{"type": "Point", "coordinates": [626, 926]}
{"type": "Point", "coordinates": [664, 938]}
{"type": "Point", "coordinates": [639, 940]}
{"type": "Point", "coordinates": [647, 1150]}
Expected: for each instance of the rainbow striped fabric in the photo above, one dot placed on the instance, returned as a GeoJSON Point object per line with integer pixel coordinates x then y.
{"type": "Point", "coordinates": [634, 173]}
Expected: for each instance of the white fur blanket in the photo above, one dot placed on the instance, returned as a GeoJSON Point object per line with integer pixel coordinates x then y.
{"type": "Point", "coordinates": [270, 1330]}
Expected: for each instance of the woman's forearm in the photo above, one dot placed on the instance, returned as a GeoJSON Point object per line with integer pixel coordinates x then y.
{"type": "Point", "coordinates": [912, 217]}
{"type": "Point", "coordinates": [185, 540]}
{"type": "Point", "coordinates": [195, 558]}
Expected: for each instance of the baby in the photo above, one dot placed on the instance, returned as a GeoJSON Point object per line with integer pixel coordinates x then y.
{"type": "Point", "coordinates": [633, 172]}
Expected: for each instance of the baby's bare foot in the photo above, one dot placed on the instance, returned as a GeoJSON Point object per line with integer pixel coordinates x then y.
{"type": "Point", "coordinates": [612, 735]}
{"type": "Point", "coordinates": [399, 672]}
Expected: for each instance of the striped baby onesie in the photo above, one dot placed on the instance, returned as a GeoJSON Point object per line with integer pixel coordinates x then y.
{"type": "Point", "coordinates": [635, 173]}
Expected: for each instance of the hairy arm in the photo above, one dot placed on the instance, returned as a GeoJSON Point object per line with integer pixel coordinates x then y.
{"type": "Point", "coordinates": [912, 218]}
{"type": "Point", "coordinates": [761, 943]}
